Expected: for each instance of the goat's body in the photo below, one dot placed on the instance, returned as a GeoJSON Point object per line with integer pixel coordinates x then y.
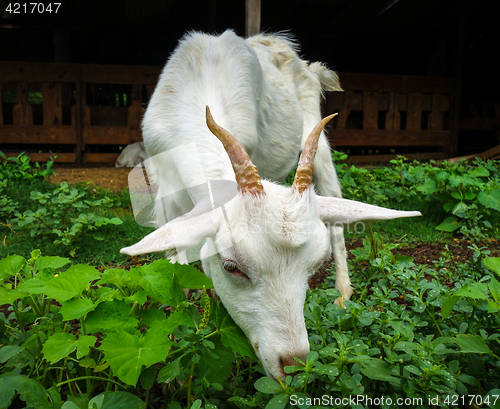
{"type": "Point", "coordinates": [261, 247]}
{"type": "Point", "coordinates": [258, 89]}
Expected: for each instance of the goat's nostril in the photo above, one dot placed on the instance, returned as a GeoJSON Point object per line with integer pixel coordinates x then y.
{"type": "Point", "coordinates": [286, 361]}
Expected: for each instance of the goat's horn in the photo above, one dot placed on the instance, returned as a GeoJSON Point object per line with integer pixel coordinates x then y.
{"type": "Point", "coordinates": [304, 173]}
{"type": "Point", "coordinates": [247, 177]}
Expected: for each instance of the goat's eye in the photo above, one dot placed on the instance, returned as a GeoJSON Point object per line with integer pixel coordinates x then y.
{"type": "Point", "coordinates": [232, 268]}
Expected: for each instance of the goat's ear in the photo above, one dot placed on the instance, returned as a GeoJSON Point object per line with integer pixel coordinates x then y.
{"type": "Point", "coordinates": [336, 210]}
{"type": "Point", "coordinates": [177, 235]}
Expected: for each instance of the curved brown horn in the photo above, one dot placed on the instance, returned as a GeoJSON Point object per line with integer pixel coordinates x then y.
{"type": "Point", "coordinates": [304, 173]}
{"type": "Point", "coordinates": [247, 177]}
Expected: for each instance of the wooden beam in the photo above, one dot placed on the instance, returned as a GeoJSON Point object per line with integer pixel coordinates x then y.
{"type": "Point", "coordinates": [100, 157]}
{"type": "Point", "coordinates": [382, 137]}
{"type": "Point", "coordinates": [52, 103]}
{"type": "Point", "coordinates": [37, 134]}
{"type": "Point", "coordinates": [252, 17]}
{"type": "Point", "coordinates": [396, 83]}
{"type": "Point", "coordinates": [111, 135]}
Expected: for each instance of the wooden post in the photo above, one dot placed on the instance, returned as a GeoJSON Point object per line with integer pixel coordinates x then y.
{"type": "Point", "coordinates": [252, 17]}
{"type": "Point", "coordinates": [457, 80]}
{"type": "Point", "coordinates": [78, 118]}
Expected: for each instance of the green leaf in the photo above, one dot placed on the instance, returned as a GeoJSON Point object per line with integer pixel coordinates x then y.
{"type": "Point", "coordinates": [278, 402]}
{"type": "Point", "coordinates": [493, 264]}
{"type": "Point", "coordinates": [449, 224]}
{"type": "Point", "coordinates": [490, 199]}
{"type": "Point", "coordinates": [156, 278]}
{"type": "Point", "coordinates": [110, 316]}
{"type": "Point", "coordinates": [30, 391]}
{"type": "Point", "coordinates": [116, 400]}
{"type": "Point", "coordinates": [232, 336]}
{"type": "Point", "coordinates": [460, 209]}
{"type": "Point", "coordinates": [494, 287]}
{"type": "Point", "coordinates": [70, 283]}
{"type": "Point", "coordinates": [11, 265]}
{"type": "Point", "coordinates": [216, 364]}
{"type": "Point", "coordinates": [378, 369]}
{"type": "Point", "coordinates": [428, 187]}
{"type": "Point", "coordinates": [268, 385]}
{"type": "Point", "coordinates": [59, 346]}
{"type": "Point", "coordinates": [127, 353]}
{"type": "Point", "coordinates": [478, 172]}
{"type": "Point", "coordinates": [448, 305]}
{"type": "Point", "coordinates": [8, 296]}
{"type": "Point", "coordinates": [472, 344]}
{"type": "Point", "coordinates": [170, 371]}
{"type": "Point", "coordinates": [192, 278]}
{"type": "Point", "coordinates": [8, 351]}
{"type": "Point", "coordinates": [175, 320]}
{"type": "Point", "coordinates": [53, 263]}
{"type": "Point", "coordinates": [475, 290]}
{"type": "Point", "coordinates": [493, 398]}
{"type": "Point", "coordinates": [76, 309]}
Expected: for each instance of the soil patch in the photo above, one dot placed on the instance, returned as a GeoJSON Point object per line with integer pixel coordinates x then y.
{"type": "Point", "coordinates": [115, 179]}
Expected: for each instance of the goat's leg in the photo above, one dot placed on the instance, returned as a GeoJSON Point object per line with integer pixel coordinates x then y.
{"type": "Point", "coordinates": [327, 184]}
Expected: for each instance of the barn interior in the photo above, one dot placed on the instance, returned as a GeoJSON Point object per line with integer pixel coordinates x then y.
{"type": "Point", "coordinates": [445, 45]}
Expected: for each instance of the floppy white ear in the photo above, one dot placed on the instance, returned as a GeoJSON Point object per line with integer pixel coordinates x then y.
{"type": "Point", "coordinates": [336, 210]}
{"type": "Point", "coordinates": [179, 234]}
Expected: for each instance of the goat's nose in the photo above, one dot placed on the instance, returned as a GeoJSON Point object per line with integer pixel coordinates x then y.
{"type": "Point", "coordinates": [289, 361]}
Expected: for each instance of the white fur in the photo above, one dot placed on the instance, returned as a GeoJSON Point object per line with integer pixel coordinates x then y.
{"type": "Point", "coordinates": [269, 99]}
{"type": "Point", "coordinates": [132, 155]}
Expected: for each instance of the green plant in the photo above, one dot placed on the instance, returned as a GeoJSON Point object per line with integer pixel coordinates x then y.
{"type": "Point", "coordinates": [71, 331]}
{"type": "Point", "coordinates": [64, 214]}
{"type": "Point", "coordinates": [470, 194]}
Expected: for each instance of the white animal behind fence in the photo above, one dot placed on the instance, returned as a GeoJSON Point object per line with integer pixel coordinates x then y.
{"type": "Point", "coordinates": [261, 241]}
{"type": "Point", "coordinates": [132, 155]}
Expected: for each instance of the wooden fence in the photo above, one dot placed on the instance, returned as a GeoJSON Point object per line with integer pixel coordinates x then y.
{"type": "Point", "coordinates": [84, 112]}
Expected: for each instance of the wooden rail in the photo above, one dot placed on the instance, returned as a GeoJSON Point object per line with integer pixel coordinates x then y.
{"type": "Point", "coordinates": [392, 111]}
{"type": "Point", "coordinates": [83, 112]}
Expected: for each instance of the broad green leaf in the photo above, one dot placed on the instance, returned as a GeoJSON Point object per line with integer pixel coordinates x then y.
{"type": "Point", "coordinates": [156, 279]}
{"type": "Point", "coordinates": [117, 276]}
{"type": "Point", "coordinates": [53, 263]}
{"type": "Point", "coordinates": [116, 400]}
{"type": "Point", "coordinates": [83, 345]}
{"type": "Point", "coordinates": [232, 336]}
{"type": "Point", "coordinates": [490, 199]}
{"type": "Point", "coordinates": [448, 305]}
{"type": "Point", "coordinates": [327, 369]}
{"type": "Point", "coordinates": [192, 278]}
{"type": "Point", "coordinates": [494, 287]}
{"type": "Point", "coordinates": [34, 286]}
{"type": "Point", "coordinates": [170, 371]}
{"type": "Point", "coordinates": [449, 224]}
{"type": "Point", "coordinates": [139, 297]}
{"type": "Point", "coordinates": [58, 346]}
{"type": "Point", "coordinates": [475, 290]}
{"type": "Point", "coordinates": [76, 309]}
{"type": "Point", "coordinates": [148, 377]}
{"type": "Point", "coordinates": [216, 364]}
{"type": "Point", "coordinates": [473, 344]}
{"type": "Point", "coordinates": [110, 316]}
{"type": "Point", "coordinates": [30, 391]}
{"type": "Point", "coordinates": [493, 263]}
{"type": "Point", "coordinates": [8, 351]}
{"type": "Point", "coordinates": [428, 187]}
{"type": "Point", "coordinates": [478, 172]}
{"type": "Point", "coordinates": [11, 265]}
{"type": "Point", "coordinates": [268, 385]}
{"type": "Point", "coordinates": [70, 283]}
{"type": "Point", "coordinates": [175, 320]}
{"type": "Point", "coordinates": [127, 353]}
{"type": "Point", "coordinates": [6, 394]}
{"type": "Point", "coordinates": [8, 296]}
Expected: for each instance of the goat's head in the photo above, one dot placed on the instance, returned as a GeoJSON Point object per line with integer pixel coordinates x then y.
{"type": "Point", "coordinates": [262, 247]}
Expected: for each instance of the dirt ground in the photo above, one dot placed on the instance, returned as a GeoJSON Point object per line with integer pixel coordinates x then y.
{"type": "Point", "coordinates": [106, 177]}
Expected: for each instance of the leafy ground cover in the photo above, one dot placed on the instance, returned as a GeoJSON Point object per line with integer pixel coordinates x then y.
{"type": "Point", "coordinates": [81, 326]}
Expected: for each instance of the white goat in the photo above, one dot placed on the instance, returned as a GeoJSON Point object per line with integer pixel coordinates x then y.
{"type": "Point", "coordinates": [132, 155]}
{"type": "Point", "coordinates": [264, 243]}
